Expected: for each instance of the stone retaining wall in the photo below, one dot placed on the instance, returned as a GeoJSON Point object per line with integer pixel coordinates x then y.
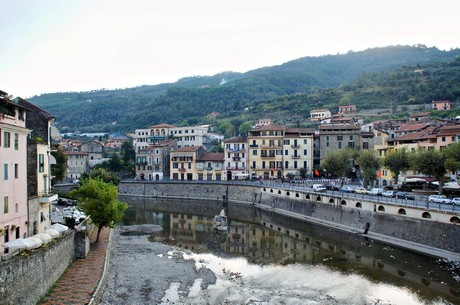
{"type": "Point", "coordinates": [24, 279]}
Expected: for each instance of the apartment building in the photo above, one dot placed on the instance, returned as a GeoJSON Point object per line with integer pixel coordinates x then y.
{"type": "Point", "coordinates": [236, 158]}
{"type": "Point", "coordinates": [210, 166]}
{"type": "Point", "coordinates": [320, 114]}
{"type": "Point", "coordinates": [13, 180]}
{"type": "Point", "coordinates": [298, 150]}
{"type": "Point", "coordinates": [266, 151]}
{"type": "Point", "coordinates": [183, 162]}
{"type": "Point", "coordinates": [152, 162]}
{"type": "Point", "coordinates": [39, 191]}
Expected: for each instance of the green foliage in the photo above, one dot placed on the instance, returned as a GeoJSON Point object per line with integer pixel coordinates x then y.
{"type": "Point", "coordinates": [244, 128]}
{"type": "Point", "coordinates": [99, 200]}
{"type": "Point", "coordinates": [374, 78]}
{"type": "Point", "coordinates": [369, 164]}
{"type": "Point", "coordinates": [102, 174]}
{"type": "Point", "coordinates": [59, 170]}
{"type": "Point", "coordinates": [429, 162]}
{"type": "Point", "coordinates": [397, 161]}
{"type": "Point", "coordinates": [338, 163]}
{"type": "Point", "coordinates": [452, 156]}
{"type": "Point", "coordinates": [128, 152]}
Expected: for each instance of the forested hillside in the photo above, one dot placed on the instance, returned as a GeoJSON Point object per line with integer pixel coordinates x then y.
{"type": "Point", "coordinates": [371, 78]}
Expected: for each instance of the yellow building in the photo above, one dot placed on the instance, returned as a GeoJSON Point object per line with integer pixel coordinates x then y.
{"type": "Point", "coordinates": [266, 151]}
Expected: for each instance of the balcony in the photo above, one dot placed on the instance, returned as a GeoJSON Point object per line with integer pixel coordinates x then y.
{"type": "Point", "coordinates": [268, 156]}
{"type": "Point", "coordinates": [254, 146]}
{"type": "Point", "coordinates": [48, 198]}
{"type": "Point", "coordinates": [295, 146]}
{"type": "Point", "coordinates": [209, 168]}
{"type": "Point", "coordinates": [236, 158]}
{"type": "Point", "coordinates": [274, 146]}
{"type": "Point", "coordinates": [295, 156]}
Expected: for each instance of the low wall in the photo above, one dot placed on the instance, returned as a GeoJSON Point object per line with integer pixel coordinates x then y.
{"type": "Point", "coordinates": [402, 230]}
{"type": "Point", "coordinates": [24, 279]}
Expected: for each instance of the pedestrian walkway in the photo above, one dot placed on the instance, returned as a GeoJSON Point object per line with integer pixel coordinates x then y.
{"type": "Point", "coordinates": [79, 282]}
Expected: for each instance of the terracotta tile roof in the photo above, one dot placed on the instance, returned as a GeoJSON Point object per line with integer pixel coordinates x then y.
{"type": "Point", "coordinates": [412, 127]}
{"type": "Point", "coordinates": [212, 157]}
{"type": "Point", "coordinates": [338, 127]}
{"type": "Point", "coordinates": [299, 131]}
{"type": "Point", "coordinates": [187, 149]}
{"type": "Point", "coordinates": [269, 127]}
{"type": "Point", "coordinates": [235, 140]}
{"type": "Point", "coordinates": [163, 125]}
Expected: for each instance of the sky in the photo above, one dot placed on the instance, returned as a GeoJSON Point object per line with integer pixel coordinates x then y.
{"type": "Point", "coordinates": [58, 46]}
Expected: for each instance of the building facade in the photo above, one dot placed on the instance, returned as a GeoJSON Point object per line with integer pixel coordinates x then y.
{"type": "Point", "coordinates": [13, 179]}
{"type": "Point", "coordinates": [39, 190]}
{"type": "Point", "coordinates": [236, 158]}
{"type": "Point", "coordinates": [266, 151]}
{"type": "Point", "coordinates": [152, 162]}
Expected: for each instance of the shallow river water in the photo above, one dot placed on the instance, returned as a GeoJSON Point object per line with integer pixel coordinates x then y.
{"type": "Point", "coordinates": [262, 258]}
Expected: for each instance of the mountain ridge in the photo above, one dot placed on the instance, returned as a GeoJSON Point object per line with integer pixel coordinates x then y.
{"type": "Point", "coordinates": [225, 92]}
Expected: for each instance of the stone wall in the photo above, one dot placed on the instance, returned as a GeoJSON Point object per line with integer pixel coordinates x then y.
{"type": "Point", "coordinates": [25, 279]}
{"type": "Point", "coordinates": [401, 229]}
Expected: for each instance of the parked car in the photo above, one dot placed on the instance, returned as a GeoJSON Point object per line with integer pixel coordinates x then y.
{"type": "Point", "coordinates": [361, 190]}
{"type": "Point", "coordinates": [319, 188]}
{"type": "Point", "coordinates": [405, 195]}
{"type": "Point", "coordinates": [68, 202]}
{"type": "Point", "coordinates": [389, 194]}
{"type": "Point", "coordinates": [376, 191]}
{"type": "Point", "coordinates": [456, 201]}
{"type": "Point", "coordinates": [332, 187]}
{"type": "Point", "coordinates": [347, 189]}
{"type": "Point", "coordinates": [439, 199]}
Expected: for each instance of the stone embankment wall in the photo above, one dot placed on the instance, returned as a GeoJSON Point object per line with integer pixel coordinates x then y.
{"type": "Point", "coordinates": [24, 279]}
{"type": "Point", "coordinates": [398, 229]}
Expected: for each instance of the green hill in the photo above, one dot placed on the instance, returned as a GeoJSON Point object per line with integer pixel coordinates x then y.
{"type": "Point", "coordinates": [372, 78]}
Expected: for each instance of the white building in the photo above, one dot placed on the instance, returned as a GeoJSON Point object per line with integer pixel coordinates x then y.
{"type": "Point", "coordinates": [236, 158]}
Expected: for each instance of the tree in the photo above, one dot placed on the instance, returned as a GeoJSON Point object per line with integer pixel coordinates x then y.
{"type": "Point", "coordinates": [102, 174]}
{"type": "Point", "coordinates": [244, 128]}
{"type": "Point", "coordinates": [59, 170]}
{"type": "Point", "coordinates": [431, 163]}
{"type": "Point", "coordinates": [452, 157]}
{"type": "Point", "coordinates": [99, 200]}
{"type": "Point", "coordinates": [338, 163]}
{"type": "Point", "coordinates": [397, 161]}
{"type": "Point", "coordinates": [369, 164]}
{"type": "Point", "coordinates": [128, 153]}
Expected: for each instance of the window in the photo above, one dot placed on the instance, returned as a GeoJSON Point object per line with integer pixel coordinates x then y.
{"type": "Point", "coordinates": [339, 145]}
{"type": "Point", "coordinates": [16, 171]}
{"type": "Point", "coordinates": [339, 138]}
{"type": "Point", "coordinates": [41, 163]}
{"type": "Point", "coordinates": [5, 205]}
{"type": "Point", "coordinates": [444, 139]}
{"type": "Point", "coordinates": [5, 171]}
{"type": "Point", "coordinates": [305, 152]}
{"type": "Point", "coordinates": [305, 141]}
{"type": "Point", "coordinates": [16, 141]}
{"type": "Point", "coordinates": [254, 152]}
{"type": "Point", "coordinates": [253, 164]}
{"type": "Point", "coordinates": [365, 145]}
{"type": "Point", "coordinates": [286, 152]}
{"type": "Point", "coordinates": [6, 139]}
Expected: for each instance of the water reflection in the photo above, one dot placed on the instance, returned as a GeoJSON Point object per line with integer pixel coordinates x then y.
{"type": "Point", "coordinates": [266, 238]}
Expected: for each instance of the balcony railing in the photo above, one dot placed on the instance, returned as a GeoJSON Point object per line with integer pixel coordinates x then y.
{"type": "Point", "coordinates": [254, 146]}
{"type": "Point", "coordinates": [295, 156]}
{"type": "Point", "coordinates": [268, 156]}
{"type": "Point", "coordinates": [295, 146]}
{"type": "Point", "coordinates": [236, 158]}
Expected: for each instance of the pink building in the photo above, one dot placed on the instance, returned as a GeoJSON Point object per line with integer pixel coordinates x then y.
{"type": "Point", "coordinates": [13, 164]}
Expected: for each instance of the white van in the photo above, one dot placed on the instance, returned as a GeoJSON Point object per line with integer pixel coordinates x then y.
{"type": "Point", "coordinates": [376, 191]}
{"type": "Point", "coordinates": [319, 188]}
